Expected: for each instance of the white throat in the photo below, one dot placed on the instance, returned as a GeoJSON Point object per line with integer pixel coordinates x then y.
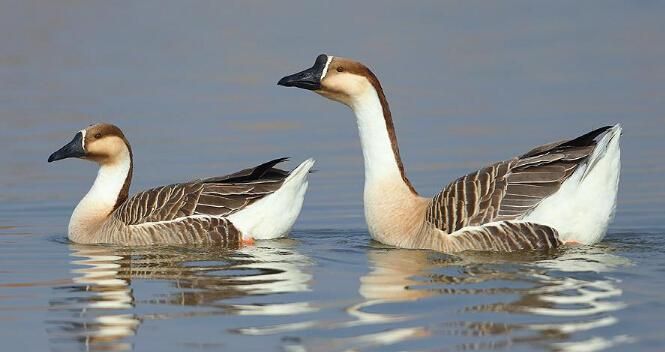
{"type": "Point", "coordinates": [392, 210]}
{"type": "Point", "coordinates": [98, 203]}
{"type": "Point", "coordinates": [380, 162]}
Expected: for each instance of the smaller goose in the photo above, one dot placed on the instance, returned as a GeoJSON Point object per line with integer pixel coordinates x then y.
{"type": "Point", "coordinates": [256, 203]}
{"type": "Point", "coordinates": [556, 193]}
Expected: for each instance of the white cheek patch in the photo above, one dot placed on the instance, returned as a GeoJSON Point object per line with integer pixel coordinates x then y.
{"type": "Point", "coordinates": [83, 139]}
{"type": "Point", "coordinates": [325, 68]}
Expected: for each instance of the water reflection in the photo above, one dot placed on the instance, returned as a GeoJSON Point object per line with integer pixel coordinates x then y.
{"type": "Point", "coordinates": [418, 295]}
{"type": "Point", "coordinates": [98, 304]}
{"type": "Point", "coordinates": [98, 310]}
{"type": "Point", "coordinates": [393, 278]}
{"type": "Point", "coordinates": [477, 301]}
{"type": "Point", "coordinates": [551, 296]}
{"type": "Point", "coordinates": [578, 291]}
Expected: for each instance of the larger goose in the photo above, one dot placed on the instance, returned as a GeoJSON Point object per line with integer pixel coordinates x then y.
{"type": "Point", "coordinates": [556, 193]}
{"type": "Point", "coordinates": [257, 203]}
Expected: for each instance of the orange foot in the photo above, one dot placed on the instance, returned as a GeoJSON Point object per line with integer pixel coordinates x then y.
{"type": "Point", "coordinates": [572, 243]}
{"type": "Point", "coordinates": [247, 241]}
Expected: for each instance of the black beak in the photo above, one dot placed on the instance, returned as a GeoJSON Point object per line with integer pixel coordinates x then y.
{"type": "Point", "coordinates": [73, 149]}
{"type": "Point", "coordinates": [310, 78]}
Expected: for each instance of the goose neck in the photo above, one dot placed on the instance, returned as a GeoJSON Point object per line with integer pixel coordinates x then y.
{"type": "Point", "coordinates": [378, 139]}
{"type": "Point", "coordinates": [108, 192]}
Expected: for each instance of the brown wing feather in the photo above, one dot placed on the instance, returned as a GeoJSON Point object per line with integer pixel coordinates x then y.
{"type": "Point", "coordinates": [509, 189]}
{"type": "Point", "coordinates": [225, 199]}
{"type": "Point", "coordinates": [219, 196]}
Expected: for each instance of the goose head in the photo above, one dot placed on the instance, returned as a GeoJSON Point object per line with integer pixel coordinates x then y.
{"type": "Point", "coordinates": [102, 143]}
{"type": "Point", "coordinates": [336, 78]}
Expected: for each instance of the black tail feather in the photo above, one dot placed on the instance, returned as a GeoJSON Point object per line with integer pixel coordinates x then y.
{"type": "Point", "coordinates": [586, 139]}
{"type": "Point", "coordinates": [263, 171]}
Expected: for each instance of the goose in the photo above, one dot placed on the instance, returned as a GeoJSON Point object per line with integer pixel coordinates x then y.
{"type": "Point", "coordinates": [562, 192]}
{"type": "Point", "coordinates": [262, 202]}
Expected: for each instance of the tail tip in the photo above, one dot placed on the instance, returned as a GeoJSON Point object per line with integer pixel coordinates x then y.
{"type": "Point", "coordinates": [307, 164]}
{"type": "Point", "coordinates": [617, 128]}
{"type": "Point", "coordinates": [304, 167]}
{"type": "Point", "coordinates": [614, 131]}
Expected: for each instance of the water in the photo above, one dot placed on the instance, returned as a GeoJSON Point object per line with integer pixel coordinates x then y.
{"type": "Point", "coordinates": [193, 86]}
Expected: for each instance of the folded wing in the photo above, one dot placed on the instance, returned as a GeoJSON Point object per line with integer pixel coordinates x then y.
{"type": "Point", "coordinates": [510, 189]}
{"type": "Point", "coordinates": [213, 197]}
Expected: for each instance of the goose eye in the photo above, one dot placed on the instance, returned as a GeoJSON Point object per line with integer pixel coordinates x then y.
{"type": "Point", "coordinates": [98, 135]}
{"type": "Point", "coordinates": [340, 69]}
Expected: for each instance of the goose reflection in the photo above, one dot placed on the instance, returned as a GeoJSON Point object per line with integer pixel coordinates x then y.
{"type": "Point", "coordinates": [392, 279]}
{"type": "Point", "coordinates": [97, 311]}
{"type": "Point", "coordinates": [97, 307]}
{"type": "Point", "coordinates": [558, 294]}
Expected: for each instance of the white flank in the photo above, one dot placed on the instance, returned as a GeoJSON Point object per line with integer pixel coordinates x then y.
{"type": "Point", "coordinates": [584, 205]}
{"type": "Point", "coordinates": [274, 215]}
{"type": "Point", "coordinates": [325, 68]}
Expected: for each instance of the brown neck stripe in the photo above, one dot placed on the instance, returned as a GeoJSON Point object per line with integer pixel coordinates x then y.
{"type": "Point", "coordinates": [124, 191]}
{"type": "Point", "coordinates": [389, 126]}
